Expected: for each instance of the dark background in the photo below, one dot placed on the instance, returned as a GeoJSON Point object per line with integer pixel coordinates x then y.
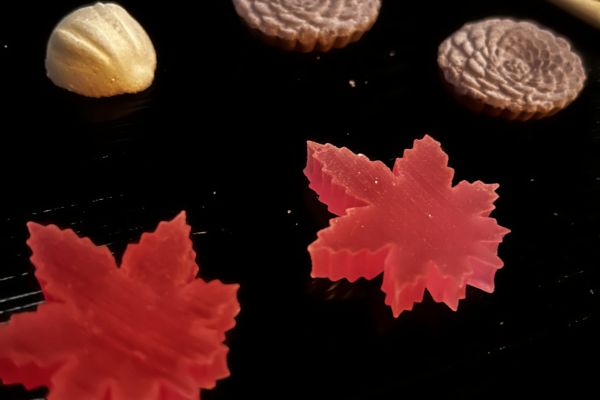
{"type": "Point", "coordinates": [222, 133]}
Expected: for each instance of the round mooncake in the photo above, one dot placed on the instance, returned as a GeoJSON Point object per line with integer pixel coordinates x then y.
{"type": "Point", "coordinates": [512, 69]}
{"type": "Point", "coordinates": [308, 25]}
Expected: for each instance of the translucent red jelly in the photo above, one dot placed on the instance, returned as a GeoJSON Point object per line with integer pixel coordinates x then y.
{"type": "Point", "coordinates": [409, 223]}
{"type": "Point", "coordinates": [148, 330]}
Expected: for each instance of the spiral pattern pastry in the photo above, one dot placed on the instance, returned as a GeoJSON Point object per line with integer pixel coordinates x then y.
{"type": "Point", "coordinates": [512, 69]}
{"type": "Point", "coordinates": [308, 25]}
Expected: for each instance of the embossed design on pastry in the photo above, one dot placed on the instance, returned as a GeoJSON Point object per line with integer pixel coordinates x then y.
{"type": "Point", "coordinates": [308, 25]}
{"type": "Point", "coordinates": [100, 51]}
{"type": "Point", "coordinates": [512, 69]}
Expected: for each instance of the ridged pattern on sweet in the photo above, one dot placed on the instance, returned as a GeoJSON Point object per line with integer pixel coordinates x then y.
{"type": "Point", "coordinates": [443, 287]}
{"type": "Point", "coordinates": [100, 51]}
{"type": "Point", "coordinates": [346, 264]}
{"type": "Point", "coordinates": [309, 25]}
{"type": "Point", "coordinates": [409, 223]}
{"type": "Point", "coordinates": [146, 331]}
{"type": "Point", "coordinates": [331, 193]}
{"type": "Point", "coordinates": [512, 69]}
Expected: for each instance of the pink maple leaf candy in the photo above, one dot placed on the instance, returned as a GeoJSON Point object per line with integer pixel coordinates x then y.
{"type": "Point", "coordinates": [408, 223]}
{"type": "Point", "coordinates": [145, 331]}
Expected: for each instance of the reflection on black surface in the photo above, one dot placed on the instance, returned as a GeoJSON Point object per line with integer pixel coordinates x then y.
{"type": "Point", "coordinates": [234, 161]}
{"type": "Point", "coordinates": [110, 109]}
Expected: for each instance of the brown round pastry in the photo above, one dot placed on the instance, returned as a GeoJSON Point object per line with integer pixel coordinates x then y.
{"type": "Point", "coordinates": [308, 25]}
{"type": "Point", "coordinates": [512, 69]}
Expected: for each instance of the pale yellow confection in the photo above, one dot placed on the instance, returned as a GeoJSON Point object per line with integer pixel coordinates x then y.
{"type": "Point", "coordinates": [587, 10]}
{"type": "Point", "coordinates": [308, 25]}
{"type": "Point", "coordinates": [100, 51]}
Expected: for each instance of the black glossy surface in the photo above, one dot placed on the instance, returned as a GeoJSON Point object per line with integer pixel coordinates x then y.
{"type": "Point", "coordinates": [222, 135]}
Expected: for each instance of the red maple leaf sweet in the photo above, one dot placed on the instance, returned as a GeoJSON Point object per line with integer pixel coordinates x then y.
{"type": "Point", "coordinates": [145, 331]}
{"type": "Point", "coordinates": [409, 223]}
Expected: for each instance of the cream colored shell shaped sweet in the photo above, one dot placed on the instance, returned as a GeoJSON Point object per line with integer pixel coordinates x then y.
{"type": "Point", "coordinates": [308, 20]}
{"type": "Point", "coordinates": [512, 65]}
{"type": "Point", "coordinates": [100, 51]}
